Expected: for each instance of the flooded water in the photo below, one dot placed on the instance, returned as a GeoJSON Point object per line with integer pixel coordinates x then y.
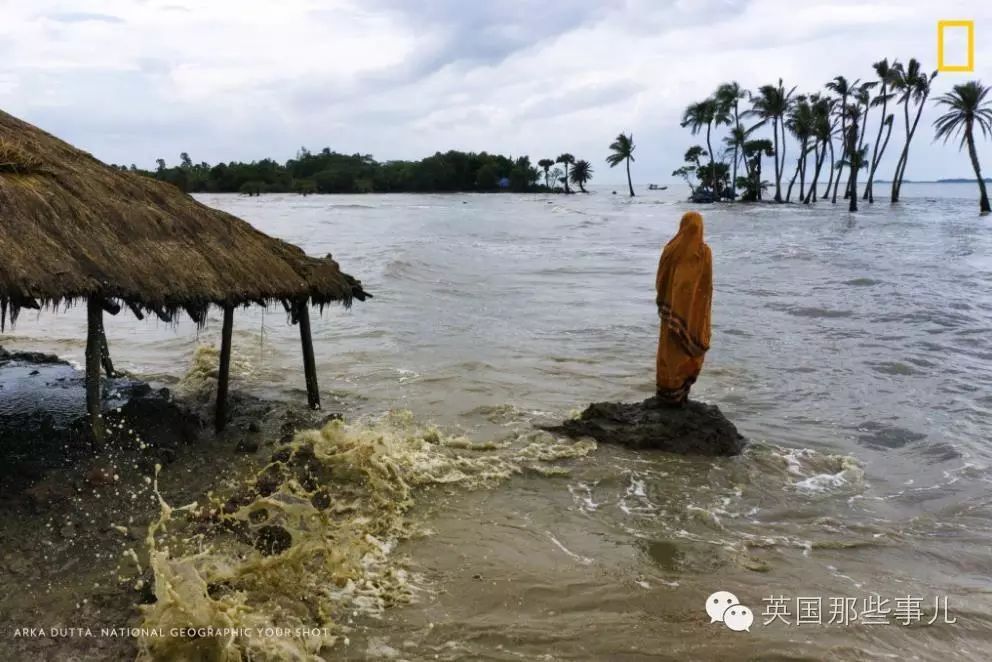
{"type": "Point", "coordinates": [852, 350]}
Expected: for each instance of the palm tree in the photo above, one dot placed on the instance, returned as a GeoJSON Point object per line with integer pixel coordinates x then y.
{"type": "Point", "coordinates": [581, 173]}
{"type": "Point", "coordinates": [623, 150]}
{"type": "Point", "coordinates": [772, 103]}
{"type": "Point", "coordinates": [843, 89]}
{"type": "Point", "coordinates": [856, 157]}
{"type": "Point", "coordinates": [968, 107]}
{"type": "Point", "coordinates": [545, 164]}
{"type": "Point", "coordinates": [886, 76]}
{"type": "Point", "coordinates": [801, 123]}
{"type": "Point", "coordinates": [566, 160]}
{"type": "Point", "coordinates": [823, 128]}
{"type": "Point", "coordinates": [862, 101]}
{"type": "Point", "coordinates": [735, 141]}
{"type": "Point", "coordinates": [753, 151]}
{"type": "Point", "coordinates": [729, 96]}
{"type": "Point", "coordinates": [913, 85]}
{"type": "Point", "coordinates": [706, 113]}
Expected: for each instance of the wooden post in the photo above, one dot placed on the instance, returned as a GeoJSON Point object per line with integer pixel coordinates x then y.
{"type": "Point", "coordinates": [108, 364]}
{"type": "Point", "coordinates": [94, 324]}
{"type": "Point", "coordinates": [309, 365]}
{"type": "Point", "coordinates": [224, 371]}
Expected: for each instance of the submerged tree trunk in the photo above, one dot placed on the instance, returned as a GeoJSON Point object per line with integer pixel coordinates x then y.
{"type": "Point", "coordinates": [819, 154]}
{"type": "Point", "coordinates": [788, 192]}
{"type": "Point", "coordinates": [852, 183]}
{"type": "Point", "coordinates": [854, 154]}
{"type": "Point", "coordinates": [712, 162]}
{"type": "Point", "coordinates": [778, 172]}
{"type": "Point", "coordinates": [629, 185]}
{"type": "Point", "coordinates": [870, 188]}
{"type": "Point", "coordinates": [783, 143]}
{"type": "Point", "coordinates": [830, 179]}
{"type": "Point", "coordinates": [843, 144]}
{"type": "Point", "coordinates": [912, 133]}
{"type": "Point", "coordinates": [876, 154]}
{"type": "Point", "coordinates": [903, 154]}
{"type": "Point", "coordinates": [733, 181]}
{"type": "Point", "coordinates": [802, 170]}
{"type": "Point", "coordinates": [984, 200]}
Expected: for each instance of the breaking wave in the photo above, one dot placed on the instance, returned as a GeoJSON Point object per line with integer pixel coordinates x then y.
{"type": "Point", "coordinates": [307, 544]}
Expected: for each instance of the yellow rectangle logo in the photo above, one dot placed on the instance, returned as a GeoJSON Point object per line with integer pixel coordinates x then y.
{"type": "Point", "coordinates": [955, 66]}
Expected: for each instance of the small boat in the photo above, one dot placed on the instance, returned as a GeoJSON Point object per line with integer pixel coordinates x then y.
{"type": "Point", "coordinates": [655, 187]}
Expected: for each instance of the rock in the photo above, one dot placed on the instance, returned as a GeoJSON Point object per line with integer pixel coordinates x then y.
{"type": "Point", "coordinates": [254, 427]}
{"type": "Point", "coordinates": [695, 429]}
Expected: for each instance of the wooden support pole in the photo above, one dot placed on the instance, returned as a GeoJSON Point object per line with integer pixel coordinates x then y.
{"type": "Point", "coordinates": [309, 365]}
{"type": "Point", "coordinates": [108, 364]}
{"type": "Point", "coordinates": [224, 371]}
{"type": "Point", "coordinates": [94, 315]}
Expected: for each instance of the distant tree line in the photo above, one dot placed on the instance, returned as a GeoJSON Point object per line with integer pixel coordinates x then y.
{"type": "Point", "coordinates": [328, 171]}
{"type": "Point", "coordinates": [332, 172]}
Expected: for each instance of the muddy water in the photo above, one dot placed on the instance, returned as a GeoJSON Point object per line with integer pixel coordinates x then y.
{"type": "Point", "coordinates": [852, 350]}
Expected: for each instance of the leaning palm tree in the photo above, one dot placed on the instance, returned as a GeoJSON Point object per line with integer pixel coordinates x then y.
{"type": "Point", "coordinates": [545, 164]}
{"type": "Point", "coordinates": [728, 96]}
{"type": "Point", "coordinates": [801, 124]}
{"type": "Point", "coordinates": [772, 103]}
{"type": "Point", "coordinates": [843, 89]}
{"type": "Point", "coordinates": [862, 101]}
{"type": "Point", "coordinates": [706, 113]}
{"type": "Point", "coordinates": [856, 157]}
{"type": "Point", "coordinates": [968, 107]}
{"type": "Point", "coordinates": [581, 173]}
{"type": "Point", "coordinates": [886, 76]}
{"type": "Point", "coordinates": [823, 127]}
{"type": "Point", "coordinates": [566, 160]}
{"type": "Point", "coordinates": [911, 85]}
{"type": "Point", "coordinates": [622, 150]}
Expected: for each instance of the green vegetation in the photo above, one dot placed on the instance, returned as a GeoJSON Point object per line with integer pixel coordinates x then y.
{"type": "Point", "coordinates": [968, 107]}
{"type": "Point", "coordinates": [581, 173]}
{"type": "Point", "coordinates": [622, 151]}
{"type": "Point", "coordinates": [566, 160]}
{"type": "Point", "coordinates": [839, 115]}
{"type": "Point", "coordinates": [331, 172]}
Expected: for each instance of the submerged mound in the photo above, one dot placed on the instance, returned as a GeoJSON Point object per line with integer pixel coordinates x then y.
{"type": "Point", "coordinates": [695, 429]}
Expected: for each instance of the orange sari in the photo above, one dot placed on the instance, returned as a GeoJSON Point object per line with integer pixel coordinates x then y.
{"type": "Point", "coordinates": [685, 292]}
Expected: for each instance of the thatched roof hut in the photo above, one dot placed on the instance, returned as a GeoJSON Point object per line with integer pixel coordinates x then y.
{"type": "Point", "coordinates": [72, 227]}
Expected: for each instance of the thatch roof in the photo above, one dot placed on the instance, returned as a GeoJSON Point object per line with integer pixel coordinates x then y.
{"type": "Point", "coordinates": [71, 226]}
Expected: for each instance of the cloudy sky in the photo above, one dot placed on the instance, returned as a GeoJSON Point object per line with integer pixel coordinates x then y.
{"type": "Point", "coordinates": [134, 80]}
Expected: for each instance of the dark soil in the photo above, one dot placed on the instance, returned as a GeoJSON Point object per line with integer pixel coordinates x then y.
{"type": "Point", "coordinates": [695, 429]}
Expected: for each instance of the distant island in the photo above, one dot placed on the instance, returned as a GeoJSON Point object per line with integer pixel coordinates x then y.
{"type": "Point", "coordinates": [328, 171]}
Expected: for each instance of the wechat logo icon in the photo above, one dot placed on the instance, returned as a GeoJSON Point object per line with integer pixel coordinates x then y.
{"type": "Point", "coordinates": [724, 607]}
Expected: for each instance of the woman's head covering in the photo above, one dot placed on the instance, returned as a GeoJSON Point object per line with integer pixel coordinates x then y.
{"type": "Point", "coordinates": [685, 285]}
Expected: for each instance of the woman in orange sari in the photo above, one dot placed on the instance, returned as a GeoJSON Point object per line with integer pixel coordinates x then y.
{"type": "Point", "coordinates": [685, 292]}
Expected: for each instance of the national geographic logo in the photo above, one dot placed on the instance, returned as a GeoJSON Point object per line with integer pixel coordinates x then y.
{"type": "Point", "coordinates": [955, 46]}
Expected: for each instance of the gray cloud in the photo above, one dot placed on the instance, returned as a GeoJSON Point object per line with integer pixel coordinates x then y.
{"type": "Point", "coordinates": [402, 80]}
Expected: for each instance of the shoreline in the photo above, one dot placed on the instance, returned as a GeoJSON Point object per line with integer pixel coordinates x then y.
{"type": "Point", "coordinates": [74, 515]}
